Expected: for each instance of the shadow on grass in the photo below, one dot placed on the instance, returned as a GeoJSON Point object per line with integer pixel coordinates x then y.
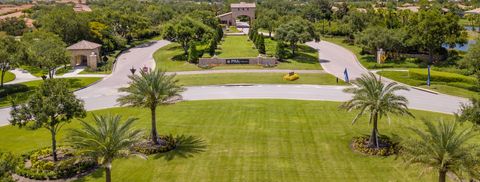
{"type": "Point", "coordinates": [187, 146]}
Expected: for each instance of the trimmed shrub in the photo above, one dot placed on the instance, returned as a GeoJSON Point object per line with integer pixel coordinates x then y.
{"type": "Point", "coordinates": [360, 144]}
{"type": "Point", "coordinates": [422, 74]}
{"type": "Point", "coordinates": [147, 147]}
{"type": "Point", "coordinates": [42, 168]}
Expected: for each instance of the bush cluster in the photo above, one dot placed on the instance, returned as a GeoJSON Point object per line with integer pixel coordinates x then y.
{"type": "Point", "coordinates": [11, 89]}
{"type": "Point", "coordinates": [422, 74]}
{"type": "Point", "coordinates": [147, 147]}
{"type": "Point", "coordinates": [43, 169]}
{"type": "Point", "coordinates": [360, 144]}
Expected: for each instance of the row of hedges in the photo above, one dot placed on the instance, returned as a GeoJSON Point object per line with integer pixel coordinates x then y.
{"type": "Point", "coordinates": [436, 76]}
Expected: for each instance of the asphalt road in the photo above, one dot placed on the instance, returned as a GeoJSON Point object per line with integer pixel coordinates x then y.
{"type": "Point", "coordinates": [333, 58]}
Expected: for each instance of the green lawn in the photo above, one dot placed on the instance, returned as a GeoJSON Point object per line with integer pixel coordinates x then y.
{"type": "Point", "coordinates": [74, 84]}
{"type": "Point", "coordinates": [232, 29]}
{"type": "Point", "coordinates": [35, 70]}
{"type": "Point", "coordinates": [451, 88]}
{"type": "Point", "coordinates": [236, 47]}
{"type": "Point", "coordinates": [261, 78]}
{"type": "Point", "coordinates": [250, 140]}
{"type": "Point", "coordinates": [171, 57]}
{"type": "Point", "coordinates": [9, 76]}
{"type": "Point", "coordinates": [368, 61]}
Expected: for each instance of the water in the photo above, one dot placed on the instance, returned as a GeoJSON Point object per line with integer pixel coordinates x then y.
{"type": "Point", "coordinates": [464, 47]}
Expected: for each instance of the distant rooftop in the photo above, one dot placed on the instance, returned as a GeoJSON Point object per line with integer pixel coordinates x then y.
{"type": "Point", "coordinates": [242, 5]}
{"type": "Point", "coordinates": [84, 45]}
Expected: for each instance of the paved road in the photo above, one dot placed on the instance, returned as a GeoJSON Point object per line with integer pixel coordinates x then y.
{"type": "Point", "coordinates": [104, 93]}
{"type": "Point", "coordinates": [333, 58]}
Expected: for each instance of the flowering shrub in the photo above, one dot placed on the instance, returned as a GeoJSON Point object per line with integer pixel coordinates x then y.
{"type": "Point", "coordinates": [387, 147]}
{"type": "Point", "coordinates": [147, 147]}
{"type": "Point", "coordinates": [38, 164]}
{"type": "Point", "coordinates": [291, 76]}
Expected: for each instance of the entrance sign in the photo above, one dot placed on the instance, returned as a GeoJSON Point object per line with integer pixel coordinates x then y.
{"type": "Point", "coordinates": [237, 61]}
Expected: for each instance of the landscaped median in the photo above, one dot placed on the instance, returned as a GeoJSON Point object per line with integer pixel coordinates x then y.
{"type": "Point", "coordinates": [172, 58]}
{"type": "Point", "coordinates": [443, 82]}
{"type": "Point", "coordinates": [257, 78]}
{"type": "Point", "coordinates": [21, 91]}
{"type": "Point", "coordinates": [248, 140]}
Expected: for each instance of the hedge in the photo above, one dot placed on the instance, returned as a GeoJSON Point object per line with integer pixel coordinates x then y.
{"type": "Point", "coordinates": [436, 76]}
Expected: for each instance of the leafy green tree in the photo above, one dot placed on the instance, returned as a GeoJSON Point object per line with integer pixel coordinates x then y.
{"type": "Point", "coordinates": [51, 106]}
{"type": "Point", "coordinates": [63, 21]}
{"type": "Point", "coordinates": [193, 54]}
{"type": "Point", "coordinates": [268, 20]}
{"type": "Point", "coordinates": [150, 89]}
{"type": "Point", "coordinates": [470, 112]}
{"type": "Point", "coordinates": [472, 61]}
{"type": "Point", "coordinates": [212, 47]}
{"type": "Point", "coordinates": [371, 95]}
{"type": "Point", "coordinates": [280, 52]}
{"type": "Point", "coordinates": [296, 31]}
{"type": "Point", "coordinates": [375, 38]}
{"type": "Point", "coordinates": [11, 54]}
{"type": "Point", "coordinates": [430, 29]}
{"type": "Point", "coordinates": [261, 45]}
{"type": "Point", "coordinates": [318, 10]}
{"type": "Point", "coordinates": [105, 140]}
{"type": "Point", "coordinates": [45, 50]}
{"type": "Point", "coordinates": [186, 31]}
{"type": "Point", "coordinates": [13, 26]}
{"type": "Point", "coordinates": [443, 147]}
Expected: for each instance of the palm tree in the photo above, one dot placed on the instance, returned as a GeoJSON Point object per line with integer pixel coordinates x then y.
{"type": "Point", "coordinates": [105, 141]}
{"type": "Point", "coordinates": [443, 147]}
{"type": "Point", "coordinates": [150, 89]}
{"type": "Point", "coordinates": [371, 95]}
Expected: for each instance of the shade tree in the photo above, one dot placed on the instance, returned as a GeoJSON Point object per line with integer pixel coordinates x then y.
{"type": "Point", "coordinates": [11, 55]}
{"type": "Point", "coordinates": [296, 31]}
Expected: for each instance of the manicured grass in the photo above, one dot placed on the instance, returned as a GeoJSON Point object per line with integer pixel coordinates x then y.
{"type": "Point", "coordinates": [368, 61]}
{"type": "Point", "coordinates": [236, 47]}
{"type": "Point", "coordinates": [171, 57]}
{"type": "Point", "coordinates": [456, 88]}
{"type": "Point", "coordinates": [34, 70]}
{"type": "Point", "coordinates": [74, 84]}
{"type": "Point", "coordinates": [9, 76]}
{"type": "Point", "coordinates": [232, 29]}
{"type": "Point", "coordinates": [261, 78]}
{"type": "Point", "coordinates": [250, 140]}
{"type": "Point", "coordinates": [306, 58]}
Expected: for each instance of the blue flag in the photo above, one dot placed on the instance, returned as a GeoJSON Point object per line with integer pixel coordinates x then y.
{"type": "Point", "coordinates": [428, 78]}
{"type": "Point", "coordinates": [345, 74]}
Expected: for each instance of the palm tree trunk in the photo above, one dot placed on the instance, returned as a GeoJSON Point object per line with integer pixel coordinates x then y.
{"type": "Point", "coordinates": [373, 142]}
{"type": "Point", "coordinates": [108, 171]}
{"type": "Point", "coordinates": [154, 126]}
{"type": "Point", "coordinates": [442, 176]}
{"type": "Point", "coordinates": [54, 145]}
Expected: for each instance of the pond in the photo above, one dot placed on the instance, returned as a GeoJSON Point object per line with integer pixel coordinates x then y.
{"type": "Point", "coordinates": [460, 47]}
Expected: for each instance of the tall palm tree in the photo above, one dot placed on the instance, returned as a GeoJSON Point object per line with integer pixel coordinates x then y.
{"type": "Point", "coordinates": [150, 89]}
{"type": "Point", "coordinates": [371, 95]}
{"type": "Point", "coordinates": [443, 147]}
{"type": "Point", "coordinates": [105, 141]}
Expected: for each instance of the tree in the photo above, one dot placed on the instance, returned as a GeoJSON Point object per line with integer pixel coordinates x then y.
{"type": "Point", "coordinates": [375, 38]}
{"type": "Point", "coordinates": [443, 147]}
{"type": "Point", "coordinates": [296, 31]}
{"type": "Point", "coordinates": [11, 54]}
{"type": "Point", "coordinates": [373, 96]}
{"type": "Point", "coordinates": [193, 54]}
{"type": "Point", "coordinates": [150, 89]}
{"type": "Point", "coordinates": [280, 52]}
{"type": "Point", "coordinates": [186, 31]}
{"type": "Point", "coordinates": [261, 45]}
{"type": "Point", "coordinates": [472, 61]}
{"type": "Point", "coordinates": [51, 106]}
{"type": "Point", "coordinates": [45, 50]}
{"type": "Point", "coordinates": [212, 47]}
{"type": "Point", "coordinates": [105, 141]}
{"type": "Point", "coordinates": [268, 20]}
{"type": "Point", "coordinates": [470, 112]}
{"type": "Point", "coordinates": [63, 21]}
{"type": "Point", "coordinates": [13, 26]}
{"type": "Point", "coordinates": [430, 29]}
